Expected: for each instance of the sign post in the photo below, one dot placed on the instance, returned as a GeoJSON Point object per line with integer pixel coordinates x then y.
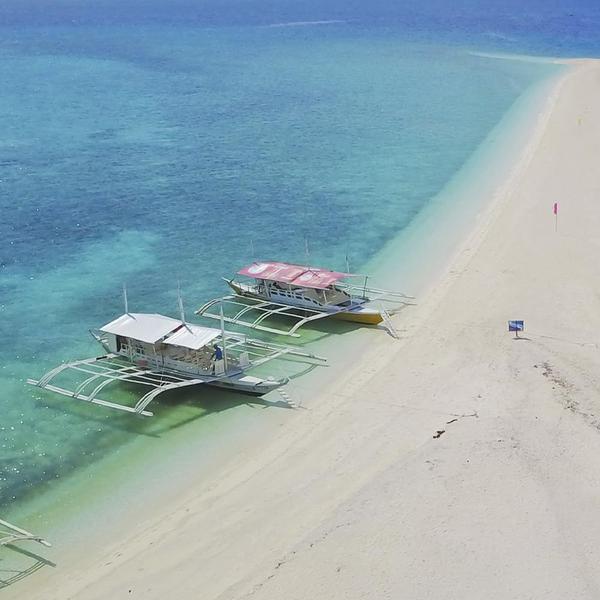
{"type": "Point", "coordinates": [516, 326]}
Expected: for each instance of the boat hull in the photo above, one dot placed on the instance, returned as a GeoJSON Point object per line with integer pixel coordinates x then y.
{"type": "Point", "coordinates": [364, 316]}
{"type": "Point", "coordinates": [246, 384]}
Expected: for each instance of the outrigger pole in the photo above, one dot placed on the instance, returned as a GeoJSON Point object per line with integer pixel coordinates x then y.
{"type": "Point", "coordinates": [125, 299]}
{"type": "Point", "coordinates": [13, 533]}
{"type": "Point", "coordinates": [180, 304]}
{"type": "Point", "coordinates": [306, 252]}
{"type": "Point", "coordinates": [348, 271]}
{"type": "Point", "coordinates": [223, 336]}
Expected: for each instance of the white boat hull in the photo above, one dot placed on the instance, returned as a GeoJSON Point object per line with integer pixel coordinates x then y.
{"type": "Point", "coordinates": [247, 384]}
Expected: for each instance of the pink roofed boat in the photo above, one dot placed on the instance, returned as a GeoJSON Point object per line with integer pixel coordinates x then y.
{"type": "Point", "coordinates": [305, 294]}
{"type": "Point", "coordinates": [294, 275]}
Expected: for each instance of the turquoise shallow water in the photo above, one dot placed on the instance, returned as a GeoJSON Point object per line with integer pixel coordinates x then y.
{"type": "Point", "coordinates": [153, 155]}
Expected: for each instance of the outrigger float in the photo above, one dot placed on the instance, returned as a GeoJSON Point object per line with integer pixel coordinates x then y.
{"type": "Point", "coordinates": [9, 534]}
{"type": "Point", "coordinates": [162, 353]}
{"type": "Point", "coordinates": [304, 295]}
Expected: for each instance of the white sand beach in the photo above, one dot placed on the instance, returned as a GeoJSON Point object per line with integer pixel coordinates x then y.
{"type": "Point", "coordinates": [456, 463]}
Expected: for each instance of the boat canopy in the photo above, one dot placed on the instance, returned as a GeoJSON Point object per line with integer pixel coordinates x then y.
{"type": "Point", "coordinates": [153, 328]}
{"type": "Point", "coordinates": [310, 277]}
{"type": "Point", "coordinates": [149, 328]}
{"type": "Point", "coordinates": [192, 336]}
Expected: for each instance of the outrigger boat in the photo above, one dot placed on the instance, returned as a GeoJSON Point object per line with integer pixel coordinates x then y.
{"type": "Point", "coordinates": [303, 294]}
{"type": "Point", "coordinates": [9, 534]}
{"type": "Point", "coordinates": [163, 354]}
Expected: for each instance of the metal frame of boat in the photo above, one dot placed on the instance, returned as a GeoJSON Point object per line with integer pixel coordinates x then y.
{"type": "Point", "coordinates": [292, 291]}
{"type": "Point", "coordinates": [164, 354]}
{"type": "Point", "coordinates": [9, 534]}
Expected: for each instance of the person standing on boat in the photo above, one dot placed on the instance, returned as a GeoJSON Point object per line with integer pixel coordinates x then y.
{"type": "Point", "coordinates": [216, 355]}
{"type": "Point", "coordinates": [218, 352]}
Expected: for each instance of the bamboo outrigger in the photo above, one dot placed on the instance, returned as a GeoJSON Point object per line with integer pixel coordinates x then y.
{"type": "Point", "coordinates": [162, 353]}
{"type": "Point", "coordinates": [303, 295]}
{"type": "Point", "coordinates": [9, 534]}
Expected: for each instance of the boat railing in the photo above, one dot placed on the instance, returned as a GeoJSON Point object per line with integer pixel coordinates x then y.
{"type": "Point", "coordinates": [373, 293]}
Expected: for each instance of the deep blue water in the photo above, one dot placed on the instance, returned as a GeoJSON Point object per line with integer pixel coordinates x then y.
{"type": "Point", "coordinates": [153, 143]}
{"type": "Point", "coordinates": [568, 27]}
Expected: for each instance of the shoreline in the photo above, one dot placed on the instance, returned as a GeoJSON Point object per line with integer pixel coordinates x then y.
{"type": "Point", "coordinates": [273, 452]}
{"type": "Point", "coordinates": [43, 512]}
{"type": "Point", "coordinates": [467, 198]}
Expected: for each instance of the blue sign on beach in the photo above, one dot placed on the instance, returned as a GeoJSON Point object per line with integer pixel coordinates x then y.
{"type": "Point", "coordinates": [516, 325]}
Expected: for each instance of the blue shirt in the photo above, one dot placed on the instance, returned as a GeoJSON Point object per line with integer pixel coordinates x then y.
{"type": "Point", "coordinates": [218, 353]}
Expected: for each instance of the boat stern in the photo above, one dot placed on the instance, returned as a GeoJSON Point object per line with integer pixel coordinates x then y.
{"type": "Point", "coordinates": [248, 384]}
{"type": "Point", "coordinates": [363, 315]}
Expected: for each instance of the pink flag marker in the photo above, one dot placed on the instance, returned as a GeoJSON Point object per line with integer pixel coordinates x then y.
{"type": "Point", "coordinates": [555, 208]}
{"type": "Point", "coordinates": [555, 211]}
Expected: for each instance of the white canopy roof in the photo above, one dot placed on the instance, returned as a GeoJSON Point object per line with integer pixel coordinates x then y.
{"type": "Point", "coordinates": [192, 336]}
{"type": "Point", "coordinates": [152, 328]}
{"type": "Point", "coordinates": [149, 328]}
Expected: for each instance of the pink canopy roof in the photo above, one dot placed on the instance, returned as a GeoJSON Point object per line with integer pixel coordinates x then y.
{"type": "Point", "coordinates": [310, 277]}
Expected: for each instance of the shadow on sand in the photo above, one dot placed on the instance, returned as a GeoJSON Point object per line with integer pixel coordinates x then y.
{"type": "Point", "coordinates": [25, 564]}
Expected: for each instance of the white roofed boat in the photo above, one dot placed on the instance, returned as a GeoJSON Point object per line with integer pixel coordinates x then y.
{"type": "Point", "coordinates": [162, 353]}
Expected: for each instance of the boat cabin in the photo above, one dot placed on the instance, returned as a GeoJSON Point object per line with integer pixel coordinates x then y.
{"type": "Point", "coordinates": [294, 284]}
{"type": "Point", "coordinates": [157, 341]}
